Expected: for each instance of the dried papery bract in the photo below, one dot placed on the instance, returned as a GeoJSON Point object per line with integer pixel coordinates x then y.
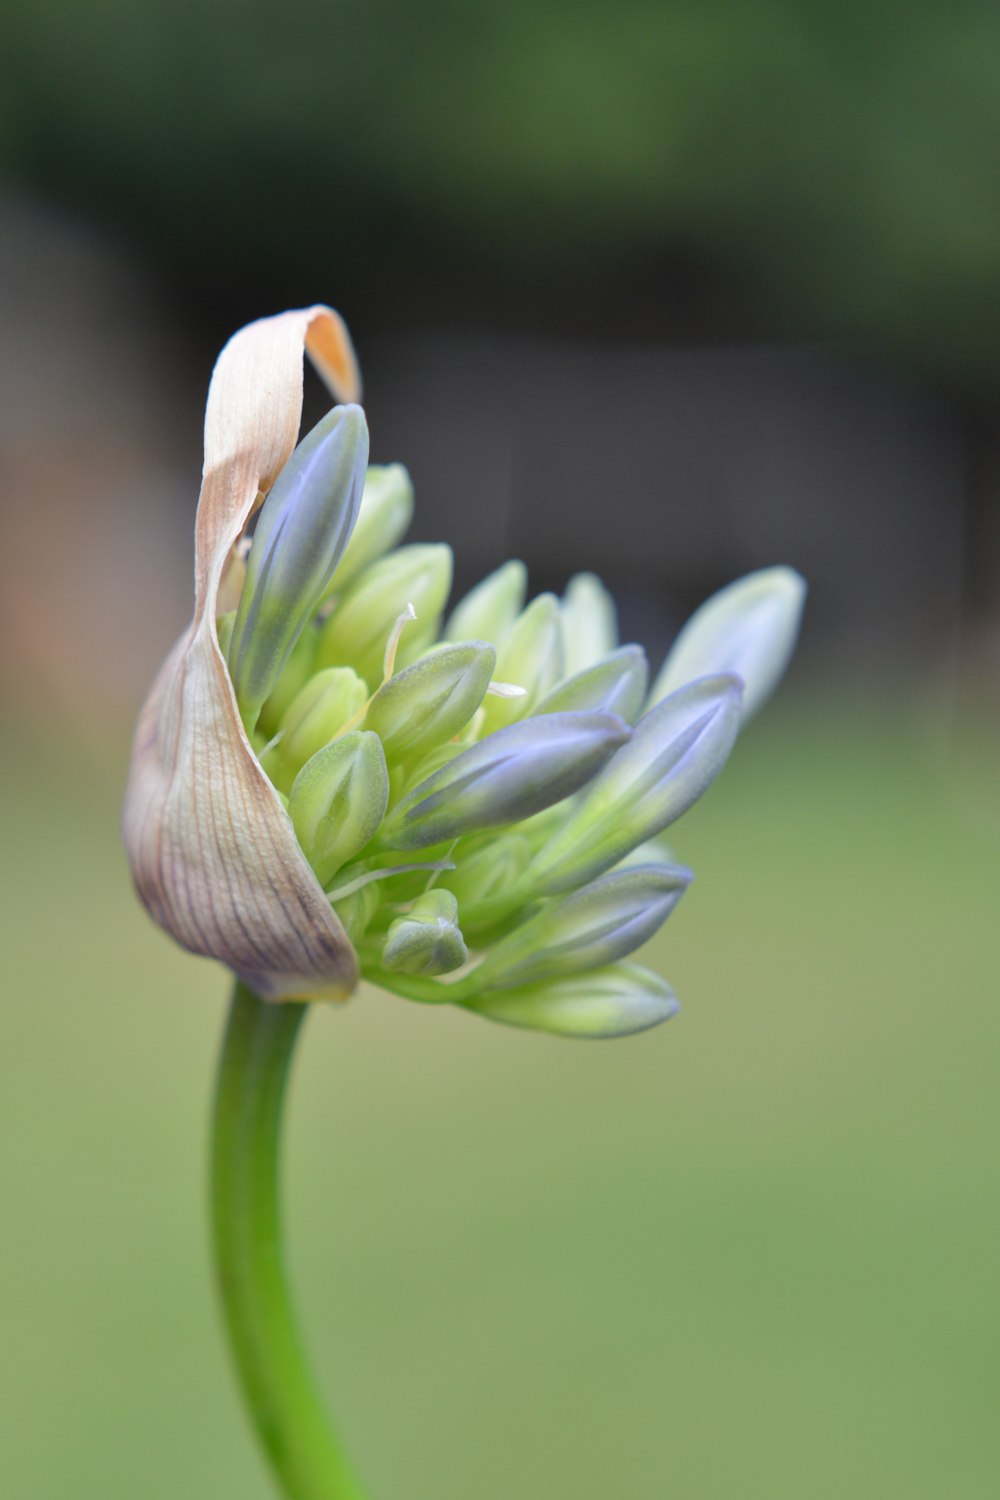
{"type": "Point", "coordinates": [213, 852]}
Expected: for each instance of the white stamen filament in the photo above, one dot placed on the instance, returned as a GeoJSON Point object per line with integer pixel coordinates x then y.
{"type": "Point", "coordinates": [392, 644]}
{"type": "Point", "coordinates": [275, 740]}
{"type": "Point", "coordinates": [355, 885]}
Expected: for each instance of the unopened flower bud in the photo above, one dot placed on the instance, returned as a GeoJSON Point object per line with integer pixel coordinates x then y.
{"type": "Point", "coordinates": [588, 929]}
{"type": "Point", "coordinates": [301, 533]}
{"type": "Point", "coordinates": [316, 714]}
{"type": "Point", "coordinates": [749, 628]}
{"type": "Point", "coordinates": [491, 870]}
{"type": "Point", "coordinates": [224, 630]}
{"type": "Point", "coordinates": [509, 775]}
{"type": "Point", "coordinates": [357, 632]}
{"type": "Point", "coordinates": [611, 1002]}
{"type": "Point", "coordinates": [428, 703]}
{"type": "Point", "coordinates": [292, 679]}
{"type": "Point", "coordinates": [530, 657]}
{"type": "Point", "coordinates": [676, 750]}
{"type": "Point", "coordinates": [338, 800]}
{"type": "Point", "coordinates": [357, 909]}
{"type": "Point", "coordinates": [489, 610]}
{"type": "Point", "coordinates": [589, 622]}
{"type": "Point", "coordinates": [428, 939]}
{"type": "Point", "coordinates": [386, 512]}
{"type": "Point", "coordinates": [614, 685]}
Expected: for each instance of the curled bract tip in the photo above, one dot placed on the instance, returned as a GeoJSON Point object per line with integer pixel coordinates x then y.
{"type": "Point", "coordinates": [212, 850]}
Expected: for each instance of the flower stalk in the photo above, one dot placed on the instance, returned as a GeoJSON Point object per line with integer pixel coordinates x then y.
{"type": "Point", "coordinates": [277, 1384]}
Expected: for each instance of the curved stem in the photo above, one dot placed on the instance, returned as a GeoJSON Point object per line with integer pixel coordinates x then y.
{"type": "Point", "coordinates": [280, 1394]}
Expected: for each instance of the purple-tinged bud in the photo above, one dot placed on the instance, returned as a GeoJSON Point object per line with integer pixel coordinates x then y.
{"type": "Point", "coordinates": [614, 685]}
{"type": "Point", "coordinates": [386, 512]}
{"type": "Point", "coordinates": [508, 776]}
{"type": "Point", "coordinates": [293, 677]}
{"type": "Point", "coordinates": [302, 531]}
{"type": "Point", "coordinates": [616, 1001]}
{"type": "Point", "coordinates": [588, 929]}
{"type": "Point", "coordinates": [676, 751]}
{"type": "Point", "coordinates": [749, 627]}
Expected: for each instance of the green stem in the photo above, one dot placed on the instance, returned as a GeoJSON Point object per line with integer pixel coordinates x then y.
{"type": "Point", "coordinates": [415, 987]}
{"type": "Point", "coordinates": [281, 1396]}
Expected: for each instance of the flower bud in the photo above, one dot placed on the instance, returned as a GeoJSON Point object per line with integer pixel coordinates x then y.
{"type": "Point", "coordinates": [489, 871]}
{"type": "Point", "coordinates": [424, 705]}
{"type": "Point", "coordinates": [588, 929]}
{"type": "Point", "coordinates": [224, 630]}
{"type": "Point", "coordinates": [749, 627]}
{"type": "Point", "coordinates": [676, 750]}
{"type": "Point", "coordinates": [292, 679]}
{"type": "Point", "coordinates": [507, 776]}
{"type": "Point", "coordinates": [301, 532]}
{"type": "Point", "coordinates": [317, 713]}
{"type": "Point", "coordinates": [428, 939]}
{"type": "Point", "coordinates": [357, 632]}
{"type": "Point", "coordinates": [356, 911]}
{"type": "Point", "coordinates": [386, 512]}
{"type": "Point", "coordinates": [589, 622]}
{"type": "Point", "coordinates": [614, 685]}
{"type": "Point", "coordinates": [490, 609]}
{"type": "Point", "coordinates": [609, 1002]}
{"type": "Point", "coordinates": [338, 800]}
{"type": "Point", "coordinates": [530, 657]}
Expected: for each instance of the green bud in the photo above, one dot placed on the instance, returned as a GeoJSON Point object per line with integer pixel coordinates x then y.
{"type": "Point", "coordinates": [224, 630]}
{"type": "Point", "coordinates": [338, 800]}
{"type": "Point", "coordinates": [589, 622]}
{"type": "Point", "coordinates": [356, 911]}
{"type": "Point", "coordinates": [405, 778]}
{"type": "Point", "coordinates": [676, 750]}
{"type": "Point", "coordinates": [588, 929]}
{"type": "Point", "coordinates": [358, 631]}
{"type": "Point", "coordinates": [611, 1002]}
{"type": "Point", "coordinates": [428, 703]}
{"type": "Point", "coordinates": [749, 627]}
{"type": "Point", "coordinates": [301, 533]}
{"type": "Point", "coordinates": [509, 775]}
{"type": "Point", "coordinates": [386, 512]}
{"type": "Point", "coordinates": [294, 676]}
{"type": "Point", "coordinates": [530, 657]}
{"type": "Point", "coordinates": [488, 872]}
{"type": "Point", "coordinates": [614, 685]}
{"type": "Point", "coordinates": [490, 609]}
{"type": "Point", "coordinates": [428, 939]}
{"type": "Point", "coordinates": [317, 712]}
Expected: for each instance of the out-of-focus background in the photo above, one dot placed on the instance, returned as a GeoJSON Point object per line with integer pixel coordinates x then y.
{"type": "Point", "coordinates": [674, 290]}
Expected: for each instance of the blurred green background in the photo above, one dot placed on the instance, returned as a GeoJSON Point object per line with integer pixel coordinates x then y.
{"type": "Point", "coordinates": [673, 290]}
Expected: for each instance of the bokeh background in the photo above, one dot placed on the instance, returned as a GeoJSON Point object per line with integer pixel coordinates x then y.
{"type": "Point", "coordinates": [670, 289]}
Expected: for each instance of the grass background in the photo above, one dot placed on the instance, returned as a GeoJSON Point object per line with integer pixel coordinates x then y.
{"type": "Point", "coordinates": [754, 1253]}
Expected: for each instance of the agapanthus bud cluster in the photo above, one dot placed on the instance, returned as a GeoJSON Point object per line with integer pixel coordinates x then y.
{"type": "Point", "coordinates": [479, 790]}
